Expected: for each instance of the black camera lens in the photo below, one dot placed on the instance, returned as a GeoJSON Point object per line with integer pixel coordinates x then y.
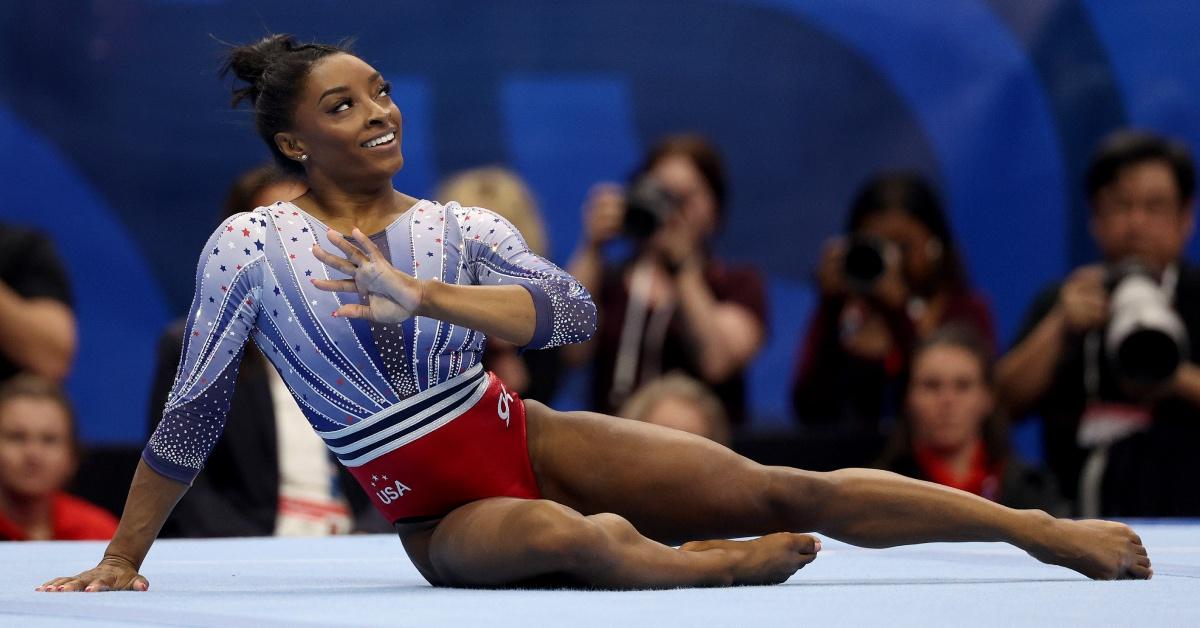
{"type": "Point", "coordinates": [647, 206]}
{"type": "Point", "coordinates": [1145, 338]}
{"type": "Point", "coordinates": [1148, 356]}
{"type": "Point", "coordinates": [864, 264]}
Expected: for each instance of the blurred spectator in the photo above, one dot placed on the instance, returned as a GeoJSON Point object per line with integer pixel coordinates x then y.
{"type": "Point", "coordinates": [260, 187]}
{"type": "Point", "coordinates": [269, 474]}
{"type": "Point", "coordinates": [532, 374]}
{"type": "Point", "coordinates": [37, 327]}
{"type": "Point", "coordinates": [887, 284]}
{"type": "Point", "coordinates": [38, 456]}
{"type": "Point", "coordinates": [672, 305]}
{"type": "Point", "coordinates": [679, 402]}
{"type": "Point", "coordinates": [1097, 412]}
{"type": "Point", "coordinates": [952, 433]}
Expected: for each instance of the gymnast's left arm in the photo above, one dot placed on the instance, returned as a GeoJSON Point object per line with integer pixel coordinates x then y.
{"type": "Point", "coordinates": [554, 308]}
{"type": "Point", "coordinates": [515, 295]}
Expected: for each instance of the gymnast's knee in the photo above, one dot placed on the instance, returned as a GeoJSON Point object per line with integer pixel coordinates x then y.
{"type": "Point", "coordinates": [794, 499]}
{"type": "Point", "coordinates": [560, 536]}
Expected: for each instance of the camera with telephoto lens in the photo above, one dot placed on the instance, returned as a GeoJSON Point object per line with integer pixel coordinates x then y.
{"type": "Point", "coordinates": [647, 206]}
{"type": "Point", "coordinates": [867, 260]}
{"type": "Point", "coordinates": [1145, 339]}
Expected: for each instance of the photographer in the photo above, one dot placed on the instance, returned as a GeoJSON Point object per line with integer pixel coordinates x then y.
{"type": "Point", "coordinates": [1121, 427]}
{"type": "Point", "coordinates": [890, 282]}
{"type": "Point", "coordinates": [671, 305]}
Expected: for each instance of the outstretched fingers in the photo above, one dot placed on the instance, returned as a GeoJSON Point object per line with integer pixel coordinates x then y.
{"type": "Point", "coordinates": [335, 285]}
{"type": "Point", "coordinates": [353, 310]}
{"type": "Point", "coordinates": [333, 261]}
{"type": "Point", "coordinates": [113, 573]}
{"type": "Point", "coordinates": [96, 584]}
{"type": "Point", "coordinates": [373, 252]}
{"type": "Point", "coordinates": [353, 253]}
{"type": "Point", "coordinates": [53, 584]}
{"type": "Point", "coordinates": [117, 583]}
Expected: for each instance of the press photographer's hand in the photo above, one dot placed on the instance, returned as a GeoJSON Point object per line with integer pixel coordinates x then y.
{"type": "Point", "coordinates": [1083, 300]}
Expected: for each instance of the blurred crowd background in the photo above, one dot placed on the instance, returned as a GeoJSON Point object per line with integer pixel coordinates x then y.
{"type": "Point", "coordinates": [947, 238]}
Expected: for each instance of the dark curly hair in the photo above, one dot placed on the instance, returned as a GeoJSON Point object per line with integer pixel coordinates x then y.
{"type": "Point", "coordinates": [274, 70]}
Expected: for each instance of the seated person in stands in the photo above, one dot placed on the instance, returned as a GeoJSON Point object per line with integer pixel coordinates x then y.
{"type": "Point", "coordinates": [269, 474]}
{"type": "Point", "coordinates": [952, 432]}
{"type": "Point", "coordinates": [680, 402]}
{"type": "Point", "coordinates": [895, 276]}
{"type": "Point", "coordinates": [38, 456]}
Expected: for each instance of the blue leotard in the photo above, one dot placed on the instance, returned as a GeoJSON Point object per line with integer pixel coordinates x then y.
{"type": "Point", "coordinates": [253, 280]}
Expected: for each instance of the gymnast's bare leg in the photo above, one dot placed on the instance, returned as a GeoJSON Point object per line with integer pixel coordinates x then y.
{"type": "Point", "coordinates": [673, 486]}
{"type": "Point", "coordinates": [506, 542]}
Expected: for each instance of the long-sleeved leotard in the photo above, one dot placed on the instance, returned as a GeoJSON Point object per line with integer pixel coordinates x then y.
{"type": "Point", "coordinates": [253, 280]}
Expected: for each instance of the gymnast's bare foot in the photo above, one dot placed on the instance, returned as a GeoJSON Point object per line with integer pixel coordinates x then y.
{"type": "Point", "coordinates": [1101, 550]}
{"type": "Point", "coordinates": [769, 559]}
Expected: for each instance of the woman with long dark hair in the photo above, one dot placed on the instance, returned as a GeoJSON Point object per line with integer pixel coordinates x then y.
{"type": "Point", "coordinates": [487, 490]}
{"type": "Point", "coordinates": [894, 277]}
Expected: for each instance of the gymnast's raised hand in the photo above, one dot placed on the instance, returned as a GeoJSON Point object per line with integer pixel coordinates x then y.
{"type": "Point", "coordinates": [387, 295]}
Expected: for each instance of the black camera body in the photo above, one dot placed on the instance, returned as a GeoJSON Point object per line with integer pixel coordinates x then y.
{"type": "Point", "coordinates": [647, 206]}
{"type": "Point", "coordinates": [867, 260]}
{"type": "Point", "coordinates": [1145, 340]}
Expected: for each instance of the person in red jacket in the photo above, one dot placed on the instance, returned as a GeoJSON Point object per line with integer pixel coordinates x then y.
{"type": "Point", "coordinates": [38, 457]}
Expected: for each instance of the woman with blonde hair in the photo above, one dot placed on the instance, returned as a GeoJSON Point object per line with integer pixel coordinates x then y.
{"type": "Point", "coordinates": [682, 403]}
{"type": "Point", "coordinates": [502, 191]}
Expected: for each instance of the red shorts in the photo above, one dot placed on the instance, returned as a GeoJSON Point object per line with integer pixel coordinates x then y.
{"type": "Point", "coordinates": [452, 444]}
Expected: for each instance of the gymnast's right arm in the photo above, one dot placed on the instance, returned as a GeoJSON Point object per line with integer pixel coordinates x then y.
{"type": "Point", "coordinates": [222, 315]}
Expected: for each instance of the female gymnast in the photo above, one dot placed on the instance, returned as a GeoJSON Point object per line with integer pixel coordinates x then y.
{"type": "Point", "coordinates": [487, 490]}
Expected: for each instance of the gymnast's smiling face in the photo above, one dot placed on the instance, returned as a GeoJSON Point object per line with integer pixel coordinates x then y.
{"type": "Point", "coordinates": [347, 124]}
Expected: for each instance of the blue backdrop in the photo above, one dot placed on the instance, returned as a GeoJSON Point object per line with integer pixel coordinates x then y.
{"type": "Point", "coordinates": [118, 140]}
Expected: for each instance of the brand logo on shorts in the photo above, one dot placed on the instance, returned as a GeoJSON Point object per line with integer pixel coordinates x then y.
{"type": "Point", "coordinates": [502, 405]}
{"type": "Point", "coordinates": [390, 491]}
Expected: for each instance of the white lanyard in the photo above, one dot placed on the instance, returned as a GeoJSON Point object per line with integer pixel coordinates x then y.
{"type": "Point", "coordinates": [637, 336]}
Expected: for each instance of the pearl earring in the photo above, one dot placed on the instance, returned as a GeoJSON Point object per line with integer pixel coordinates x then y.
{"type": "Point", "coordinates": [304, 157]}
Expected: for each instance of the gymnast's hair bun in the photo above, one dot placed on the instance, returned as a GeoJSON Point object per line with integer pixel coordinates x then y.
{"type": "Point", "coordinates": [251, 62]}
{"type": "Point", "coordinates": [274, 70]}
